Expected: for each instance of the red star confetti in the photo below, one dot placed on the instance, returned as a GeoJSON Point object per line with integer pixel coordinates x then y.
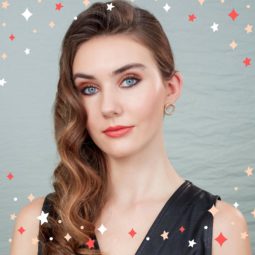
{"type": "Point", "coordinates": [192, 17]}
{"type": "Point", "coordinates": [220, 239]}
{"type": "Point", "coordinates": [21, 230]}
{"type": "Point", "coordinates": [233, 14]}
{"type": "Point", "coordinates": [11, 37]}
{"type": "Point", "coordinates": [90, 243]}
{"type": "Point", "coordinates": [132, 232]}
{"type": "Point", "coordinates": [247, 61]}
{"type": "Point", "coordinates": [10, 176]}
{"type": "Point", "coordinates": [181, 229]}
{"type": "Point", "coordinates": [59, 6]}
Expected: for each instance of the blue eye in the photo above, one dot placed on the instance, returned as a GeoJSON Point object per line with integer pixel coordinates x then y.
{"type": "Point", "coordinates": [130, 84]}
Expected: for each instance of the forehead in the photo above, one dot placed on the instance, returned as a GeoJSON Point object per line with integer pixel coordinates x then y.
{"type": "Point", "coordinates": [109, 53]}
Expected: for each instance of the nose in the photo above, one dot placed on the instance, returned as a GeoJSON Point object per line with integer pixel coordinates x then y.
{"type": "Point", "coordinates": [111, 103]}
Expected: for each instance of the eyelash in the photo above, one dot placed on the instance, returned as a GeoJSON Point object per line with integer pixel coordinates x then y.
{"type": "Point", "coordinates": [130, 76]}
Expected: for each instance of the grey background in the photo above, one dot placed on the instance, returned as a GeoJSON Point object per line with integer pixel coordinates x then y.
{"type": "Point", "coordinates": [210, 138]}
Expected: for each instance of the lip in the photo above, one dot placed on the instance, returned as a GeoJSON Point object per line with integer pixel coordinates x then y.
{"type": "Point", "coordinates": [119, 132]}
{"type": "Point", "coordinates": [116, 128]}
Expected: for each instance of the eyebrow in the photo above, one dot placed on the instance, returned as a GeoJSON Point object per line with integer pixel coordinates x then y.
{"type": "Point", "coordinates": [114, 73]}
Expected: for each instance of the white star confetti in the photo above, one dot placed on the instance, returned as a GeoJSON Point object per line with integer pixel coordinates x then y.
{"type": "Point", "coordinates": [43, 217]}
{"type": "Point", "coordinates": [214, 27]}
{"type": "Point", "coordinates": [110, 6]}
{"type": "Point", "coordinates": [191, 243]}
{"type": "Point", "coordinates": [102, 229]}
{"type": "Point", "coordinates": [2, 82]}
{"type": "Point", "coordinates": [167, 7]}
{"type": "Point", "coordinates": [27, 14]}
{"type": "Point", "coordinates": [27, 51]}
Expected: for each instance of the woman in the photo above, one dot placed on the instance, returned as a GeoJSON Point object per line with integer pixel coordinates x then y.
{"type": "Point", "coordinates": [116, 192]}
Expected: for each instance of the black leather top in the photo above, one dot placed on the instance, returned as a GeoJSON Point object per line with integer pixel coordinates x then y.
{"type": "Point", "coordinates": [185, 216]}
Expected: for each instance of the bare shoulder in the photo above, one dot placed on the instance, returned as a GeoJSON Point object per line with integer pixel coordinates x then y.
{"type": "Point", "coordinates": [26, 219]}
{"type": "Point", "coordinates": [229, 223]}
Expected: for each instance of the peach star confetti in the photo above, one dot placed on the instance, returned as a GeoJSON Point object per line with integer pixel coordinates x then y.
{"type": "Point", "coordinates": [248, 171]}
{"type": "Point", "coordinates": [31, 197]}
{"type": "Point", "coordinates": [244, 235]}
{"type": "Point", "coordinates": [191, 243]}
{"type": "Point", "coordinates": [35, 241]}
{"type": "Point", "coordinates": [165, 235]}
{"type": "Point", "coordinates": [59, 221]}
{"type": "Point", "coordinates": [253, 213]}
{"type": "Point", "coordinates": [248, 28]}
{"type": "Point", "coordinates": [213, 210]}
{"type": "Point", "coordinates": [13, 216]}
{"type": "Point", "coordinates": [67, 237]}
{"type": "Point", "coordinates": [86, 2]}
{"type": "Point", "coordinates": [52, 24]}
{"type": "Point", "coordinates": [4, 56]}
{"type": "Point", "coordinates": [5, 4]}
{"type": "Point", "coordinates": [43, 217]}
{"type": "Point", "coordinates": [34, 30]}
{"type": "Point", "coordinates": [220, 239]}
{"type": "Point", "coordinates": [233, 44]}
{"type": "Point", "coordinates": [201, 2]}
{"type": "Point", "coordinates": [81, 227]}
{"type": "Point", "coordinates": [167, 7]}
{"type": "Point", "coordinates": [232, 223]}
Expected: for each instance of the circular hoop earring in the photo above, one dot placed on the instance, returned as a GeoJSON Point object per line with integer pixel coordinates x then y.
{"type": "Point", "coordinates": [167, 108]}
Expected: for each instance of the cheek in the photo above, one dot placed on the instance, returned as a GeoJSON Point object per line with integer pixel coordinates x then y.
{"type": "Point", "coordinates": [149, 104]}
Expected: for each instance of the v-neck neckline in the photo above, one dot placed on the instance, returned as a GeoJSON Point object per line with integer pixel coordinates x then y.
{"type": "Point", "coordinates": [158, 218]}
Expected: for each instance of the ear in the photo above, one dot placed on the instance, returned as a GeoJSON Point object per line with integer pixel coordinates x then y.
{"type": "Point", "coordinates": [173, 87]}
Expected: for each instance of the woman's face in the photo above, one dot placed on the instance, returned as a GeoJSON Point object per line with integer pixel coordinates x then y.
{"type": "Point", "coordinates": [117, 99]}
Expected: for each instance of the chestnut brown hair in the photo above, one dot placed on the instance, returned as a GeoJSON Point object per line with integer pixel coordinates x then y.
{"type": "Point", "coordinates": [80, 178]}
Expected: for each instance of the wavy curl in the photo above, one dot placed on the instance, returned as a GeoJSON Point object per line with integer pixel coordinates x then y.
{"type": "Point", "coordinates": [80, 178]}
